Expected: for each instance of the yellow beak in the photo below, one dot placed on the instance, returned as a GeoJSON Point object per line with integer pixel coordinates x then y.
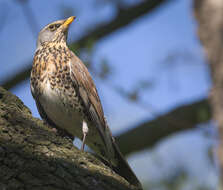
{"type": "Point", "coordinates": [69, 21]}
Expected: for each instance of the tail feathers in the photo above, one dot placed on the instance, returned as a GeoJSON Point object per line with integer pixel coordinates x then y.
{"type": "Point", "coordinates": [117, 160]}
{"type": "Point", "coordinates": [123, 169]}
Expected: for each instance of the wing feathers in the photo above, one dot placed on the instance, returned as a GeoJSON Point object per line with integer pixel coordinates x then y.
{"type": "Point", "coordinates": [87, 89]}
{"type": "Point", "coordinates": [90, 98]}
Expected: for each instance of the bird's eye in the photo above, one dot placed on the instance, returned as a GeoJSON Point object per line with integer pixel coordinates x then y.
{"type": "Point", "coordinates": [52, 27]}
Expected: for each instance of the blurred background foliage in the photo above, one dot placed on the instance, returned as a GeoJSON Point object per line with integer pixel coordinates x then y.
{"type": "Point", "coordinates": [150, 71]}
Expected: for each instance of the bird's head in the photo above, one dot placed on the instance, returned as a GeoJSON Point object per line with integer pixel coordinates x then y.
{"type": "Point", "coordinates": [54, 32]}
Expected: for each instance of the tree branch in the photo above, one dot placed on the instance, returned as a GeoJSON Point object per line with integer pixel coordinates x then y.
{"type": "Point", "coordinates": [209, 15]}
{"type": "Point", "coordinates": [32, 156]}
{"type": "Point", "coordinates": [147, 134]}
{"type": "Point", "coordinates": [123, 18]}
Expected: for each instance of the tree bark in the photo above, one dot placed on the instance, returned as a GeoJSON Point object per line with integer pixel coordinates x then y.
{"type": "Point", "coordinates": [209, 14]}
{"type": "Point", "coordinates": [33, 156]}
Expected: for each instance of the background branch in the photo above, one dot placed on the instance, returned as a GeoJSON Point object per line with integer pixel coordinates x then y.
{"type": "Point", "coordinates": [209, 15]}
{"type": "Point", "coordinates": [123, 18]}
{"type": "Point", "coordinates": [148, 133]}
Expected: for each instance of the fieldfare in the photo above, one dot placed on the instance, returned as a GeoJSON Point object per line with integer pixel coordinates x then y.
{"type": "Point", "coordinates": [67, 99]}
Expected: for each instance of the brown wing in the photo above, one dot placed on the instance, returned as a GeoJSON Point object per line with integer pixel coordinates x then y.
{"type": "Point", "coordinates": [87, 90]}
{"type": "Point", "coordinates": [89, 95]}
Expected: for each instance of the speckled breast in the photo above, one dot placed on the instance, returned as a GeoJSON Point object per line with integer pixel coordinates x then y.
{"type": "Point", "coordinates": [51, 84]}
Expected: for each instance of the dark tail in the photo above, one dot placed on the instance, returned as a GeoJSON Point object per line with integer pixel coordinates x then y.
{"type": "Point", "coordinates": [118, 162]}
{"type": "Point", "coordinates": [123, 169]}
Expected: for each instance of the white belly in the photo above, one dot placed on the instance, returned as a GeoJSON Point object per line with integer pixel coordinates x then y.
{"type": "Point", "coordinates": [58, 110]}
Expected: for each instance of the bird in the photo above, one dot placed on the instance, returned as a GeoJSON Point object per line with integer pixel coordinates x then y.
{"type": "Point", "coordinates": [67, 98]}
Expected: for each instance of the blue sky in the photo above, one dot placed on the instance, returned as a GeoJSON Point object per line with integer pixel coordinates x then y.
{"type": "Point", "coordinates": [137, 52]}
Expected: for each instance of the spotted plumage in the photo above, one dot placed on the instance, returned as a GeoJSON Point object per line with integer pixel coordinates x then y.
{"type": "Point", "coordinates": [67, 98]}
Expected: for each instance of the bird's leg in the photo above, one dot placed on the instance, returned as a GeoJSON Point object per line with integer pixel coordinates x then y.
{"type": "Point", "coordinates": [85, 131]}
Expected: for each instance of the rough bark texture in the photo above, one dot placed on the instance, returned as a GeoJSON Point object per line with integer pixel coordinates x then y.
{"type": "Point", "coordinates": [32, 156]}
{"type": "Point", "coordinates": [209, 14]}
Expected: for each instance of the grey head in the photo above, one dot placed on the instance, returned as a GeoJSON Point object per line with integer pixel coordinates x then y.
{"type": "Point", "coordinates": [54, 32]}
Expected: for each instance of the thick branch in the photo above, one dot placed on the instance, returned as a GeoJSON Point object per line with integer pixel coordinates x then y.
{"type": "Point", "coordinates": [150, 132]}
{"type": "Point", "coordinates": [209, 14]}
{"type": "Point", "coordinates": [123, 18]}
{"type": "Point", "coordinates": [33, 157]}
